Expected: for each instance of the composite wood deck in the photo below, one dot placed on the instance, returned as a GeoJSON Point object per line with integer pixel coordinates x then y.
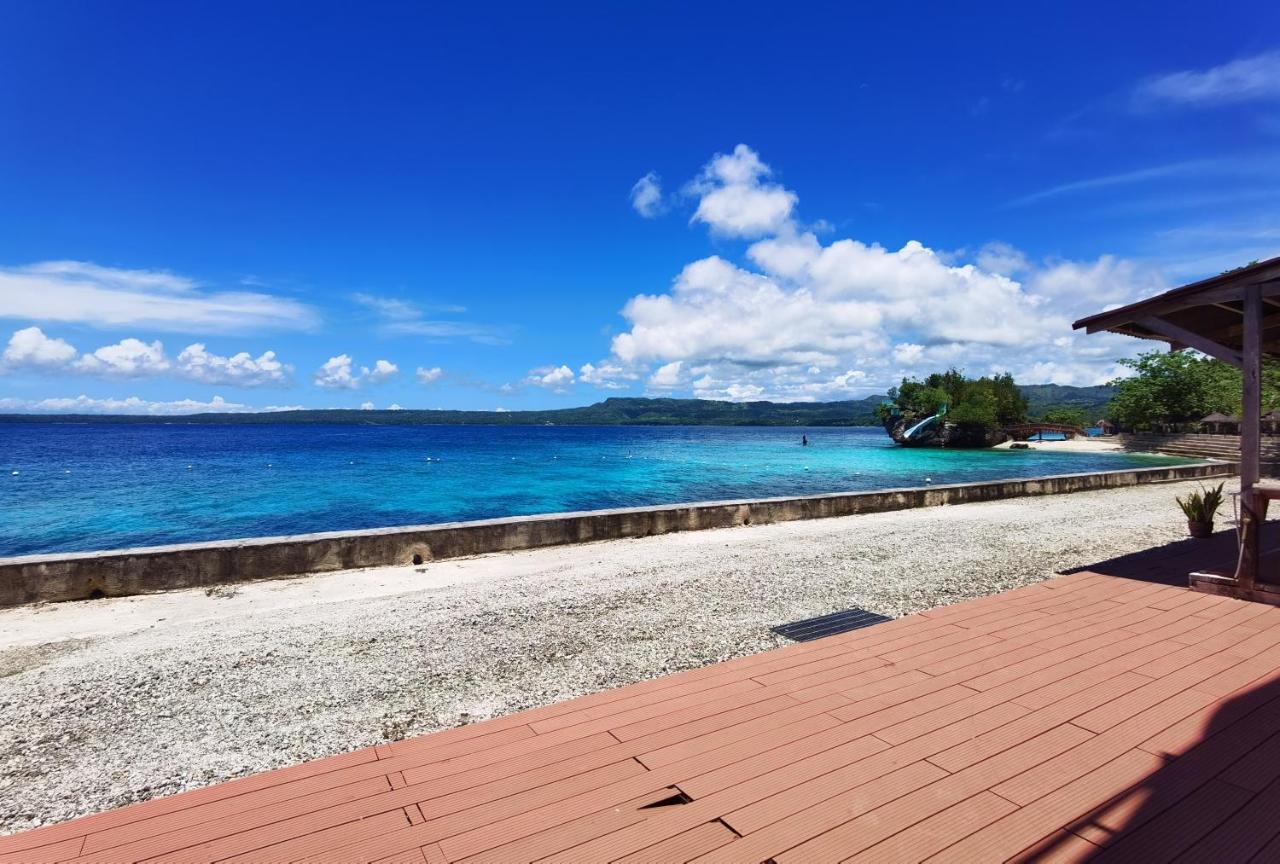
{"type": "Point", "coordinates": [1090, 717]}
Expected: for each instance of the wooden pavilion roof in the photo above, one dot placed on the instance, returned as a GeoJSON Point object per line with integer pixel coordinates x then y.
{"type": "Point", "coordinates": [1206, 315]}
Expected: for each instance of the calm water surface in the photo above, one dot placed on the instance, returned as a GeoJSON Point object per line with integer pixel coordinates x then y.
{"type": "Point", "coordinates": [80, 487]}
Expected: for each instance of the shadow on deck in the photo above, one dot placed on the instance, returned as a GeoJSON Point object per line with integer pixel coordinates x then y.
{"type": "Point", "coordinates": [1172, 563]}
{"type": "Point", "coordinates": [1212, 798]}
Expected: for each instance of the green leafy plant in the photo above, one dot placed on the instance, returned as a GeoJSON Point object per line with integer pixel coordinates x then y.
{"type": "Point", "coordinates": [1182, 387]}
{"type": "Point", "coordinates": [1066, 416]}
{"type": "Point", "coordinates": [1201, 506]}
{"type": "Point", "coordinates": [985, 402]}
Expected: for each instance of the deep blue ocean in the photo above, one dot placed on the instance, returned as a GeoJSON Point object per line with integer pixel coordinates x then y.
{"type": "Point", "coordinates": [104, 486]}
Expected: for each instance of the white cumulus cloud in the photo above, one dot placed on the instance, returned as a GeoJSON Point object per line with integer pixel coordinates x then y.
{"type": "Point", "coordinates": [31, 347]}
{"type": "Point", "coordinates": [381, 371]}
{"type": "Point", "coordinates": [907, 353]}
{"type": "Point", "coordinates": [1001, 258]}
{"type": "Point", "coordinates": [241, 370]}
{"type": "Point", "coordinates": [427, 375]}
{"type": "Point", "coordinates": [801, 318]}
{"type": "Point", "coordinates": [556, 378]}
{"type": "Point", "coordinates": [340, 373]}
{"type": "Point", "coordinates": [128, 357]}
{"type": "Point", "coordinates": [735, 198]}
{"type": "Point", "coordinates": [607, 375]}
{"type": "Point", "coordinates": [646, 195]}
{"type": "Point", "coordinates": [667, 376]}
{"type": "Point", "coordinates": [337, 374]}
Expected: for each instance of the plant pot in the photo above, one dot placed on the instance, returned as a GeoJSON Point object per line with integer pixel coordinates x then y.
{"type": "Point", "coordinates": [1200, 529]}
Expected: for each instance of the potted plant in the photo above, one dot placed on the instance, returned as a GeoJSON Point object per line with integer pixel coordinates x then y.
{"type": "Point", "coordinates": [1200, 508]}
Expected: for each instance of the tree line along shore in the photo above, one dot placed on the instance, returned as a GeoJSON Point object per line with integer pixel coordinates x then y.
{"type": "Point", "coordinates": [1090, 402]}
{"type": "Point", "coordinates": [1165, 388]}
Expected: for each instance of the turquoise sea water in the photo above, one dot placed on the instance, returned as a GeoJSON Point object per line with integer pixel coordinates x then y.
{"type": "Point", "coordinates": [103, 486]}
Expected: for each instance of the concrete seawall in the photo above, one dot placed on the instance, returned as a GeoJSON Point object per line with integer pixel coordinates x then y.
{"type": "Point", "coordinates": [46, 578]}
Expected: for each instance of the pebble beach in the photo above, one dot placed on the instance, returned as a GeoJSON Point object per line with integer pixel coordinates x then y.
{"type": "Point", "coordinates": [108, 702]}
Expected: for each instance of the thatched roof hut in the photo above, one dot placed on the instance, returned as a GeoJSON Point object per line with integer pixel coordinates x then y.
{"type": "Point", "coordinates": [1221, 423]}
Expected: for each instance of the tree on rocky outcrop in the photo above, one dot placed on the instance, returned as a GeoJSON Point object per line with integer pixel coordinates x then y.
{"type": "Point", "coordinates": [974, 410]}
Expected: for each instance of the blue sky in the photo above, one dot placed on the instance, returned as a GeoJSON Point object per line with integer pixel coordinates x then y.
{"type": "Point", "coordinates": [332, 205]}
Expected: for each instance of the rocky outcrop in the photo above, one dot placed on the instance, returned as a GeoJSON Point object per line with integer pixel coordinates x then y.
{"type": "Point", "coordinates": [941, 433]}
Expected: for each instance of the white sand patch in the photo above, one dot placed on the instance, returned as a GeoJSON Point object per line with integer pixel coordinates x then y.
{"type": "Point", "coordinates": [1079, 444]}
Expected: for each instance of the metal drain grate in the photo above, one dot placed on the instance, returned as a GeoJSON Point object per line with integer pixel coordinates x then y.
{"type": "Point", "coordinates": [829, 625]}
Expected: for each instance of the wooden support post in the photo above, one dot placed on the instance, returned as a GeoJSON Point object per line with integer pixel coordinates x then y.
{"type": "Point", "coordinates": [1252, 511]}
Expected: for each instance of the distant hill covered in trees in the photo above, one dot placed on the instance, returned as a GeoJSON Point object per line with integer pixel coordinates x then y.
{"type": "Point", "coordinates": [1091, 401]}
{"type": "Point", "coordinates": [618, 411]}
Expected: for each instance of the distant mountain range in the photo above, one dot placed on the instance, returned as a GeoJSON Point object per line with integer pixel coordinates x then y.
{"type": "Point", "coordinates": [618, 411]}
{"type": "Point", "coordinates": [1091, 400]}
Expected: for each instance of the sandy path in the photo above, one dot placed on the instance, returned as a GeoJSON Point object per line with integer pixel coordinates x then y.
{"type": "Point", "coordinates": [111, 701]}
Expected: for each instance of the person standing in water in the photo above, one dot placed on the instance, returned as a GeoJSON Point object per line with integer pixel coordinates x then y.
{"type": "Point", "coordinates": [804, 440]}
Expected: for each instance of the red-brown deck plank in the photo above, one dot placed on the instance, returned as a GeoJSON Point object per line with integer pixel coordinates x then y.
{"type": "Point", "coordinates": [850, 837]}
{"type": "Point", "coordinates": [934, 833]}
{"type": "Point", "coordinates": [684, 847]}
{"type": "Point", "coordinates": [1173, 831]}
{"type": "Point", "coordinates": [1180, 778]}
{"type": "Point", "coordinates": [1088, 717]}
{"type": "Point", "coordinates": [1242, 836]}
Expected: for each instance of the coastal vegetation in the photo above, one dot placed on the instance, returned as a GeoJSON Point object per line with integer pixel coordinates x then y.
{"type": "Point", "coordinates": [1087, 402]}
{"type": "Point", "coordinates": [1176, 387]}
{"type": "Point", "coordinates": [974, 410]}
{"type": "Point", "coordinates": [618, 411]}
{"type": "Point", "coordinates": [1066, 416]}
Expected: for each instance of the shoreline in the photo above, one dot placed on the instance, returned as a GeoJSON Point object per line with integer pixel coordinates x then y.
{"type": "Point", "coordinates": [119, 700]}
{"type": "Point", "coordinates": [126, 572]}
{"type": "Point", "coordinates": [1080, 444]}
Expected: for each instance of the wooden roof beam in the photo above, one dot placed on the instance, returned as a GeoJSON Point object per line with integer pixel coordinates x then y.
{"type": "Point", "coordinates": [1269, 322]}
{"type": "Point", "coordinates": [1175, 334]}
{"type": "Point", "coordinates": [1266, 301]}
{"type": "Point", "coordinates": [1210, 297]}
{"type": "Point", "coordinates": [1228, 287]}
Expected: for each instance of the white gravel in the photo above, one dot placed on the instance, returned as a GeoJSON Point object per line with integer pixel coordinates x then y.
{"type": "Point", "coordinates": [107, 702]}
